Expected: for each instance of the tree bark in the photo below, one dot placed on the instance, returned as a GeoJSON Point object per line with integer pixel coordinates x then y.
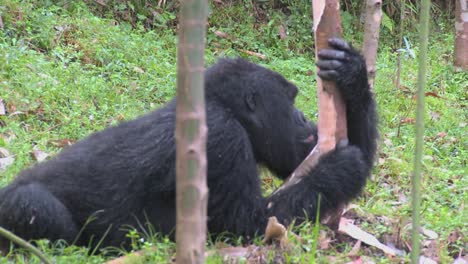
{"type": "Point", "coordinates": [371, 37]}
{"type": "Point", "coordinates": [332, 109]}
{"type": "Point", "coordinates": [461, 35]}
{"type": "Point", "coordinates": [191, 134]}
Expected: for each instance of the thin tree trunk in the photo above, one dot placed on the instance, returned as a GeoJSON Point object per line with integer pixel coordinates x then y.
{"type": "Point", "coordinates": [461, 35]}
{"type": "Point", "coordinates": [400, 43]}
{"type": "Point", "coordinates": [371, 37]}
{"type": "Point", "coordinates": [332, 109]}
{"type": "Point", "coordinates": [191, 134]}
{"type": "Point", "coordinates": [416, 181]}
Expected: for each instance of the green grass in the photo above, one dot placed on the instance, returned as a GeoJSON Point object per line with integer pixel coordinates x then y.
{"type": "Point", "coordinates": [65, 72]}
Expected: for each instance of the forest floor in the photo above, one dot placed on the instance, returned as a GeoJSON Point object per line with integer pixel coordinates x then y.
{"type": "Point", "coordinates": [66, 72]}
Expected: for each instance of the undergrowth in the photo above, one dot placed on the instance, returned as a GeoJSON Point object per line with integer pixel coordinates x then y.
{"type": "Point", "coordinates": [66, 72]}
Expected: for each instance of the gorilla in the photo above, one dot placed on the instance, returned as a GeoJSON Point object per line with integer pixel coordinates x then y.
{"type": "Point", "coordinates": [124, 176]}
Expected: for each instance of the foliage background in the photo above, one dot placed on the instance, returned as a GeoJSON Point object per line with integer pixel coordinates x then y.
{"type": "Point", "coordinates": [68, 68]}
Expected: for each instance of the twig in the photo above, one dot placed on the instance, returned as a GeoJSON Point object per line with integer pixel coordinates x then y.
{"type": "Point", "coordinates": [22, 243]}
{"type": "Point", "coordinates": [256, 54]}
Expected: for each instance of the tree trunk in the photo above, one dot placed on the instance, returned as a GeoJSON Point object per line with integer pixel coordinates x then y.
{"type": "Point", "coordinates": [371, 36]}
{"type": "Point", "coordinates": [332, 109]}
{"type": "Point", "coordinates": [461, 35]}
{"type": "Point", "coordinates": [191, 134]}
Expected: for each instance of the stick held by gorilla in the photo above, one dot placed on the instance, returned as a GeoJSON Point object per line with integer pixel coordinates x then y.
{"type": "Point", "coordinates": [124, 176]}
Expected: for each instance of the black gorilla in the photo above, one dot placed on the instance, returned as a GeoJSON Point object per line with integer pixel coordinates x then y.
{"type": "Point", "coordinates": [125, 175]}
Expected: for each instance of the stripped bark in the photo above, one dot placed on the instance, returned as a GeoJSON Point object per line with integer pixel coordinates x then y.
{"type": "Point", "coordinates": [332, 109]}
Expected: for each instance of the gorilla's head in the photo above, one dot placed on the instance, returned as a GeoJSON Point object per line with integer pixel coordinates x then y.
{"type": "Point", "coordinates": [263, 102]}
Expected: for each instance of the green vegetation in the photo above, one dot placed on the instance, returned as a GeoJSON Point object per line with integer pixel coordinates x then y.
{"type": "Point", "coordinates": [66, 70]}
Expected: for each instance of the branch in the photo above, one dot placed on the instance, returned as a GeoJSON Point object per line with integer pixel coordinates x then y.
{"type": "Point", "coordinates": [332, 110]}
{"type": "Point", "coordinates": [22, 243]}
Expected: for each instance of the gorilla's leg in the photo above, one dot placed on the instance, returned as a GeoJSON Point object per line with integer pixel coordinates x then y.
{"type": "Point", "coordinates": [30, 211]}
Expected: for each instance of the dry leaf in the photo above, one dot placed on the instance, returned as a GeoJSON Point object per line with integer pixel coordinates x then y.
{"type": "Point", "coordinates": [233, 252]}
{"type": "Point", "coordinates": [39, 155]}
{"type": "Point", "coordinates": [221, 34]}
{"type": "Point", "coordinates": [424, 260]}
{"type": "Point", "coordinates": [5, 162]}
{"type": "Point", "coordinates": [356, 261]}
{"type": "Point", "coordinates": [441, 134]}
{"type": "Point", "coordinates": [460, 260]}
{"type": "Point", "coordinates": [282, 32]}
{"type": "Point", "coordinates": [429, 233]}
{"type": "Point", "coordinates": [434, 115]}
{"type": "Point", "coordinates": [138, 69]}
{"type": "Point", "coordinates": [275, 231]}
{"type": "Point", "coordinates": [61, 143]}
{"type": "Point", "coordinates": [433, 94]}
{"type": "Point", "coordinates": [2, 107]}
{"type": "Point", "coordinates": [256, 54]}
{"type": "Point", "coordinates": [101, 2]}
{"type": "Point", "coordinates": [355, 250]}
{"type": "Point", "coordinates": [407, 120]}
{"type": "Point", "coordinates": [324, 241]}
{"type": "Point", "coordinates": [4, 152]}
{"type": "Point", "coordinates": [355, 232]}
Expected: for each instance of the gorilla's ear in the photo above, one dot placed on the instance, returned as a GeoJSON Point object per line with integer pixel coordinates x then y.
{"type": "Point", "coordinates": [250, 101]}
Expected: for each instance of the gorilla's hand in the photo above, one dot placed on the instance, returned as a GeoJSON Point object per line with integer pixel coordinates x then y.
{"type": "Point", "coordinates": [344, 65]}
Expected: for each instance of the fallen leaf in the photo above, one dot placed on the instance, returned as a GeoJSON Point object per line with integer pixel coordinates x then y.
{"type": "Point", "coordinates": [282, 32]}
{"type": "Point", "coordinates": [324, 240]}
{"type": "Point", "coordinates": [275, 231]}
{"type": "Point", "coordinates": [39, 155]}
{"type": "Point", "coordinates": [233, 252]}
{"type": "Point", "coordinates": [61, 143]}
{"type": "Point", "coordinates": [356, 261]}
{"type": "Point", "coordinates": [138, 69]}
{"type": "Point", "coordinates": [5, 162]}
{"type": "Point", "coordinates": [429, 233]}
{"type": "Point", "coordinates": [355, 250]}
{"type": "Point", "coordinates": [407, 120]}
{"type": "Point", "coordinates": [221, 34]}
{"type": "Point", "coordinates": [428, 94]}
{"type": "Point", "coordinates": [460, 260]}
{"type": "Point", "coordinates": [431, 249]}
{"type": "Point", "coordinates": [433, 94]}
{"type": "Point", "coordinates": [256, 54]}
{"type": "Point", "coordinates": [434, 115]}
{"type": "Point", "coordinates": [4, 152]}
{"type": "Point", "coordinates": [441, 134]}
{"type": "Point", "coordinates": [388, 142]}
{"type": "Point", "coordinates": [424, 260]}
{"type": "Point", "coordinates": [346, 227]}
{"type": "Point", "coordinates": [133, 257]}
{"type": "Point", "coordinates": [101, 2]}
{"type": "Point", "coordinates": [2, 107]}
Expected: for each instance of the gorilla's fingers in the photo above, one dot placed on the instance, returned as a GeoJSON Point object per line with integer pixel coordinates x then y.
{"type": "Point", "coordinates": [329, 64]}
{"type": "Point", "coordinates": [329, 75]}
{"type": "Point", "coordinates": [333, 54]}
{"type": "Point", "coordinates": [340, 44]}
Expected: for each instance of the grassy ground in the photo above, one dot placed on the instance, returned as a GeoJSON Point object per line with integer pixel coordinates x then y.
{"type": "Point", "coordinates": [65, 73]}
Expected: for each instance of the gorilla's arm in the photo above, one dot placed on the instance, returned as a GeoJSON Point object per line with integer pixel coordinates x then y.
{"type": "Point", "coordinates": [341, 174]}
{"type": "Point", "coordinates": [347, 68]}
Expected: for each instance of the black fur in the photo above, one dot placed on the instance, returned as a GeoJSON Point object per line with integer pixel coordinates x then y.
{"type": "Point", "coordinates": [125, 175]}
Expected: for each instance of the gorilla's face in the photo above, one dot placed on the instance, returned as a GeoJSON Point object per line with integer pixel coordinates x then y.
{"type": "Point", "coordinates": [280, 134]}
{"type": "Point", "coordinates": [263, 102]}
